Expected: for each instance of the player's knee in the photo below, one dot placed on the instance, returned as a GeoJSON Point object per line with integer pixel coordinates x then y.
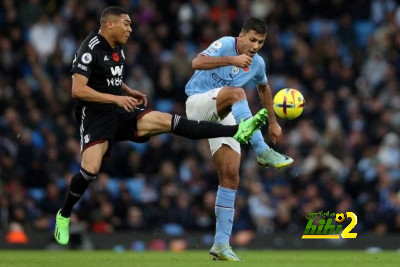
{"type": "Point", "coordinates": [237, 94]}
{"type": "Point", "coordinates": [230, 179]}
{"type": "Point", "coordinates": [90, 168]}
{"type": "Point", "coordinates": [88, 175]}
{"type": "Point", "coordinates": [153, 123]}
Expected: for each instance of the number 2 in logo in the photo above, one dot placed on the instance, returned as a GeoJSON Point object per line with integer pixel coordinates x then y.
{"type": "Point", "coordinates": [346, 231]}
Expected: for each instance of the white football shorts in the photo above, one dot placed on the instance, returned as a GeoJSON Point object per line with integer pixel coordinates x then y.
{"type": "Point", "coordinates": [204, 107]}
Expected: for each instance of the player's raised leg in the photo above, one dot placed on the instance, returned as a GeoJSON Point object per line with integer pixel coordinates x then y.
{"type": "Point", "coordinates": [248, 127]}
{"type": "Point", "coordinates": [154, 123]}
{"type": "Point", "coordinates": [266, 156]}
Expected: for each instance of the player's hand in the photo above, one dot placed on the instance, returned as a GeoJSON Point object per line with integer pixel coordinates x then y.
{"type": "Point", "coordinates": [275, 132]}
{"type": "Point", "coordinates": [242, 61]}
{"type": "Point", "coordinates": [140, 97]}
{"type": "Point", "coordinates": [126, 102]}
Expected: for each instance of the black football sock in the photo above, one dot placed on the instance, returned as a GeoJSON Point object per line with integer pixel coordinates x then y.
{"type": "Point", "coordinates": [79, 184]}
{"type": "Point", "coordinates": [201, 129]}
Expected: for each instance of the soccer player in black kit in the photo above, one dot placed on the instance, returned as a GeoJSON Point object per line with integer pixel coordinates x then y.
{"type": "Point", "coordinates": [108, 112]}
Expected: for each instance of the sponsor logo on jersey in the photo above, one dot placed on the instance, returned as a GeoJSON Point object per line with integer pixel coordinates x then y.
{"type": "Point", "coordinates": [114, 81]}
{"type": "Point", "coordinates": [105, 58]}
{"type": "Point", "coordinates": [117, 70]}
{"type": "Point", "coordinates": [221, 82]}
{"type": "Point", "coordinates": [86, 58]}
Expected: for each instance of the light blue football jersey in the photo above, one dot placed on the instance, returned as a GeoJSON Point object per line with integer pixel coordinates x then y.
{"type": "Point", "coordinates": [205, 80]}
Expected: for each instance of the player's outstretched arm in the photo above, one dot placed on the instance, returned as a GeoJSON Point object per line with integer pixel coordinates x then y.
{"type": "Point", "coordinates": [274, 129]}
{"type": "Point", "coordinates": [204, 62]}
{"type": "Point", "coordinates": [80, 90]}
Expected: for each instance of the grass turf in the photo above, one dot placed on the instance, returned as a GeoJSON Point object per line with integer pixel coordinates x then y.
{"type": "Point", "coordinates": [281, 258]}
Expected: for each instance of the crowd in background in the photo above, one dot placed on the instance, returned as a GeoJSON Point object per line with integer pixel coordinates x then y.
{"type": "Point", "coordinates": [344, 56]}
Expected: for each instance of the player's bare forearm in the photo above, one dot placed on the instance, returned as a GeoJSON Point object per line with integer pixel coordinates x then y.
{"type": "Point", "coordinates": [126, 88]}
{"type": "Point", "coordinates": [264, 92]}
{"type": "Point", "coordinates": [129, 91]}
{"type": "Point", "coordinates": [274, 129]}
{"type": "Point", "coordinates": [80, 90]}
{"type": "Point", "coordinates": [203, 62]}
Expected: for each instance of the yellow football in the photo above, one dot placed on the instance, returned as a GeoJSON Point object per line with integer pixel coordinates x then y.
{"type": "Point", "coordinates": [288, 103]}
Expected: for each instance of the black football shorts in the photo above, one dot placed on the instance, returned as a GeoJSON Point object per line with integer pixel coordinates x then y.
{"type": "Point", "coordinates": [103, 124]}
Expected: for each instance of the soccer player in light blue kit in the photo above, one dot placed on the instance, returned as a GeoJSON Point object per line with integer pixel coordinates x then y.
{"type": "Point", "coordinates": [215, 93]}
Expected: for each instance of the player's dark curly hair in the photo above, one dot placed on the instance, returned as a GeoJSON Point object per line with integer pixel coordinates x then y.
{"type": "Point", "coordinates": [111, 11]}
{"type": "Point", "coordinates": [254, 24]}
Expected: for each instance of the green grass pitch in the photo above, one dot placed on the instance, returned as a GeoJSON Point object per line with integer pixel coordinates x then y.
{"type": "Point", "coordinates": [280, 258]}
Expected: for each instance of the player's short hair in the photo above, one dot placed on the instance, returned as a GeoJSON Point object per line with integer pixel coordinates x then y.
{"type": "Point", "coordinates": [111, 11]}
{"type": "Point", "coordinates": [255, 24]}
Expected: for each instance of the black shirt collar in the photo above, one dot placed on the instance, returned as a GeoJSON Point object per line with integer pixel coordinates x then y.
{"type": "Point", "coordinates": [104, 44]}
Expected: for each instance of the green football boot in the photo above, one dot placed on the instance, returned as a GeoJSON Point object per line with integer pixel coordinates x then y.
{"type": "Point", "coordinates": [248, 127]}
{"type": "Point", "coordinates": [61, 232]}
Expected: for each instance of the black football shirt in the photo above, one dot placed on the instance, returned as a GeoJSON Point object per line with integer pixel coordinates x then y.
{"type": "Point", "coordinates": [102, 65]}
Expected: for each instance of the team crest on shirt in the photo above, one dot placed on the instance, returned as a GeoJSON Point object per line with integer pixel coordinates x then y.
{"type": "Point", "coordinates": [235, 70]}
{"type": "Point", "coordinates": [86, 58]}
{"type": "Point", "coordinates": [217, 44]}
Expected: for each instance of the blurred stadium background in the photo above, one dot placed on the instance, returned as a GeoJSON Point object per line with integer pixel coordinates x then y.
{"type": "Point", "coordinates": [344, 56]}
